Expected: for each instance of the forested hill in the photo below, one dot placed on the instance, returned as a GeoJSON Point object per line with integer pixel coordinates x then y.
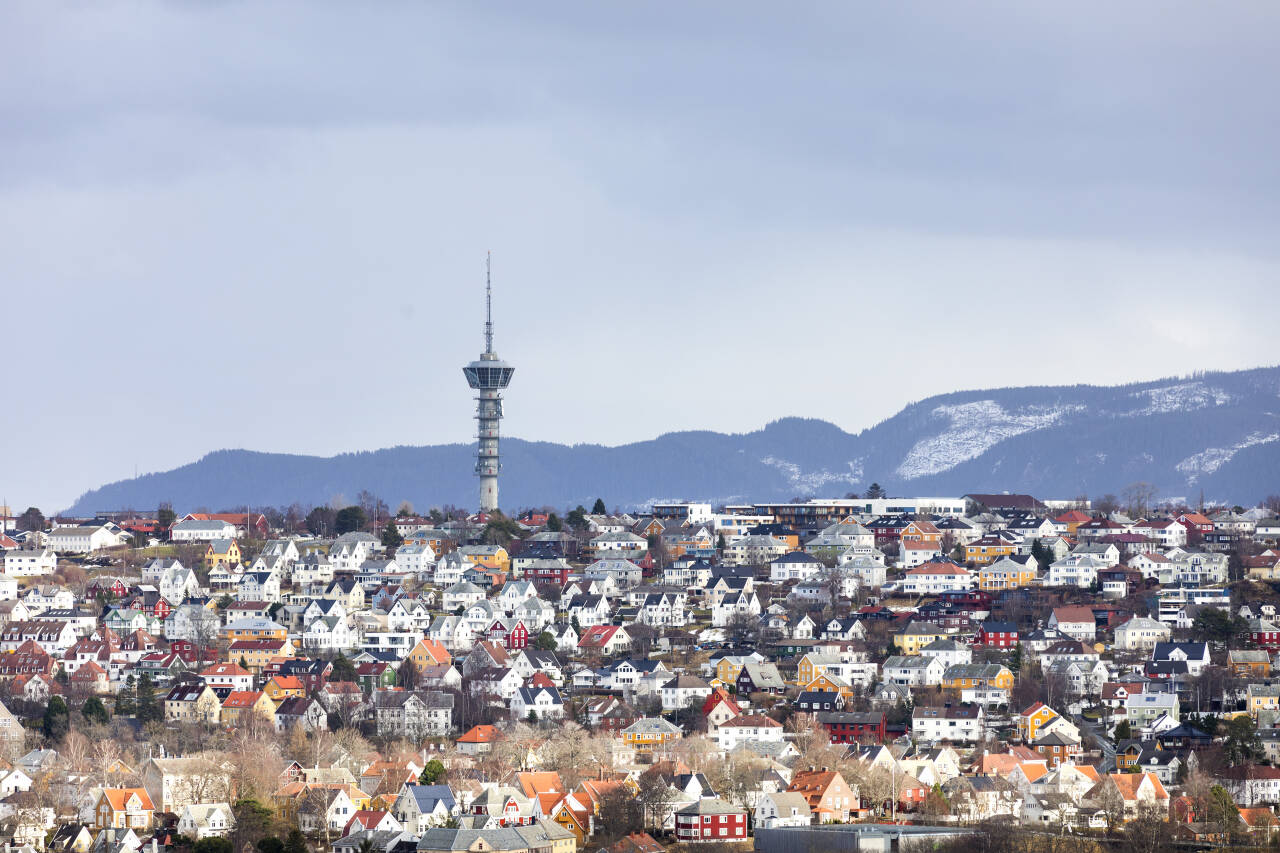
{"type": "Point", "coordinates": [1215, 433]}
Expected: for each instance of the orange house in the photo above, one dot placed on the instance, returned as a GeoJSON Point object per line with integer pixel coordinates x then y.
{"type": "Point", "coordinates": [922, 531]}
{"type": "Point", "coordinates": [829, 795]}
{"type": "Point", "coordinates": [1070, 521]}
{"type": "Point", "coordinates": [429, 652]}
{"type": "Point", "coordinates": [281, 687]}
{"type": "Point", "coordinates": [827, 683]}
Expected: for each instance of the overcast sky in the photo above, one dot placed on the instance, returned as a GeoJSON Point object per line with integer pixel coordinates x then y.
{"type": "Point", "coordinates": [263, 225]}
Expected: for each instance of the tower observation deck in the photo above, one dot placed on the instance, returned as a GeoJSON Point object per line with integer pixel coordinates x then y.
{"type": "Point", "coordinates": [488, 375]}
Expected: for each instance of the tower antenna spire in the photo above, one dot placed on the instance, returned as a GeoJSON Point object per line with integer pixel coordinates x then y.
{"type": "Point", "coordinates": [489, 376]}
{"type": "Point", "coordinates": [488, 305]}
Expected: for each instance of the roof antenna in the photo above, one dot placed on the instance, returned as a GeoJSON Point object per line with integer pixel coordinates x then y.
{"type": "Point", "coordinates": [488, 306]}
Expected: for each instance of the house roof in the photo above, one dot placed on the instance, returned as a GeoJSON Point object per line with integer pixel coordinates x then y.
{"type": "Point", "coordinates": [118, 797]}
{"type": "Point", "coordinates": [480, 734]}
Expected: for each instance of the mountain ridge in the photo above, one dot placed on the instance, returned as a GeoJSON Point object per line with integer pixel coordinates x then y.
{"type": "Point", "coordinates": [1216, 431]}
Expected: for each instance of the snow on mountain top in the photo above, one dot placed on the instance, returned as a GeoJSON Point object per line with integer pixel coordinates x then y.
{"type": "Point", "coordinates": [974, 428]}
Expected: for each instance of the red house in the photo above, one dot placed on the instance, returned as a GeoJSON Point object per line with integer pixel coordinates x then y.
{"type": "Point", "coordinates": [853, 726]}
{"type": "Point", "coordinates": [1000, 635]}
{"type": "Point", "coordinates": [1265, 635]}
{"type": "Point", "coordinates": [548, 571]}
{"type": "Point", "coordinates": [710, 820]}
{"type": "Point", "coordinates": [513, 635]}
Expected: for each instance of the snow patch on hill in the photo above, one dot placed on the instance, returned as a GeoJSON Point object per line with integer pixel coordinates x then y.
{"type": "Point", "coordinates": [974, 428]}
{"type": "Point", "coordinates": [813, 481]}
{"type": "Point", "coordinates": [1211, 459]}
{"type": "Point", "coordinates": [1184, 397]}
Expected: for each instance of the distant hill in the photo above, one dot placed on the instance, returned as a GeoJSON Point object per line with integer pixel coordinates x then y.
{"type": "Point", "coordinates": [1216, 432]}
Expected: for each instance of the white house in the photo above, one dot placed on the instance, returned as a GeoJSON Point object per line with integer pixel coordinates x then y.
{"type": "Point", "coordinates": [935, 578]}
{"type": "Point", "coordinates": [205, 820]}
{"type": "Point", "coordinates": [1141, 632]}
{"type": "Point", "coordinates": [740, 603]}
{"type": "Point", "coordinates": [796, 565]}
{"type": "Point", "coordinates": [747, 728]}
{"type": "Point", "coordinates": [1078, 570]}
{"type": "Point", "coordinates": [782, 809]}
{"type": "Point", "coordinates": [1076, 621]}
{"type": "Point", "coordinates": [956, 723]}
{"type": "Point", "coordinates": [418, 560]}
{"type": "Point", "coordinates": [199, 530]}
{"type": "Point", "coordinates": [913, 670]}
{"type": "Point", "coordinates": [25, 564]}
{"type": "Point", "coordinates": [543, 701]}
{"type": "Point", "coordinates": [83, 540]}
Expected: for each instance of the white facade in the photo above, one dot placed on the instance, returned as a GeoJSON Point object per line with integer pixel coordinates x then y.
{"type": "Point", "coordinates": [26, 564]}
{"type": "Point", "coordinates": [937, 578]}
{"type": "Point", "coordinates": [83, 540]}
{"type": "Point", "coordinates": [1141, 633]}
{"type": "Point", "coordinates": [194, 530]}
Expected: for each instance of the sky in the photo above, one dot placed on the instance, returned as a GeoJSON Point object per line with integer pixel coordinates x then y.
{"type": "Point", "coordinates": [263, 224]}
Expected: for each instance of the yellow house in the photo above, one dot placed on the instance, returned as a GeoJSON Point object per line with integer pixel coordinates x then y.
{"type": "Point", "coordinates": [988, 549]}
{"type": "Point", "coordinates": [649, 733]}
{"type": "Point", "coordinates": [192, 704]}
{"type": "Point", "coordinates": [812, 665]}
{"type": "Point", "coordinates": [240, 704]}
{"type": "Point", "coordinates": [257, 654]}
{"type": "Point", "coordinates": [281, 687]}
{"type": "Point", "coordinates": [728, 668]}
{"type": "Point", "coordinates": [487, 556]}
{"type": "Point", "coordinates": [1006, 574]}
{"type": "Point", "coordinates": [572, 816]}
{"type": "Point", "coordinates": [1263, 697]}
{"type": "Point", "coordinates": [253, 628]}
{"type": "Point", "coordinates": [964, 675]}
{"type": "Point", "coordinates": [222, 552]}
{"type": "Point", "coordinates": [916, 636]}
{"type": "Point", "coordinates": [1033, 719]}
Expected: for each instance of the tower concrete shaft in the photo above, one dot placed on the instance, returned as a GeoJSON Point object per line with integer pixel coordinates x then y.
{"type": "Point", "coordinates": [489, 375]}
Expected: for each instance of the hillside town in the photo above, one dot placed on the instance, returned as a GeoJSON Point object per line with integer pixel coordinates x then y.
{"type": "Point", "coordinates": [915, 670]}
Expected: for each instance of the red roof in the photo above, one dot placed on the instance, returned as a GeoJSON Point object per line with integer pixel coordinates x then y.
{"type": "Point", "coordinates": [480, 734]}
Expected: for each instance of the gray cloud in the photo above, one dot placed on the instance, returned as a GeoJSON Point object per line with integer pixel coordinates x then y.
{"type": "Point", "coordinates": [263, 225]}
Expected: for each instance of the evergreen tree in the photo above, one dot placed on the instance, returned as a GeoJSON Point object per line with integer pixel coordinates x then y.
{"type": "Point", "coordinates": [94, 711]}
{"type": "Point", "coordinates": [554, 524]}
{"type": "Point", "coordinates": [349, 519]}
{"type": "Point", "coordinates": [148, 709]}
{"type": "Point", "coordinates": [212, 844]}
{"type": "Point", "coordinates": [875, 492]}
{"type": "Point", "coordinates": [391, 538]}
{"type": "Point", "coordinates": [126, 700]}
{"type": "Point", "coordinates": [598, 507]}
{"type": "Point", "coordinates": [1015, 659]}
{"type": "Point", "coordinates": [294, 842]}
{"type": "Point", "coordinates": [343, 669]}
{"type": "Point", "coordinates": [166, 516]}
{"type": "Point", "coordinates": [577, 517]}
{"type": "Point", "coordinates": [1124, 731]}
{"type": "Point", "coordinates": [56, 720]}
{"type": "Point", "coordinates": [432, 773]}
